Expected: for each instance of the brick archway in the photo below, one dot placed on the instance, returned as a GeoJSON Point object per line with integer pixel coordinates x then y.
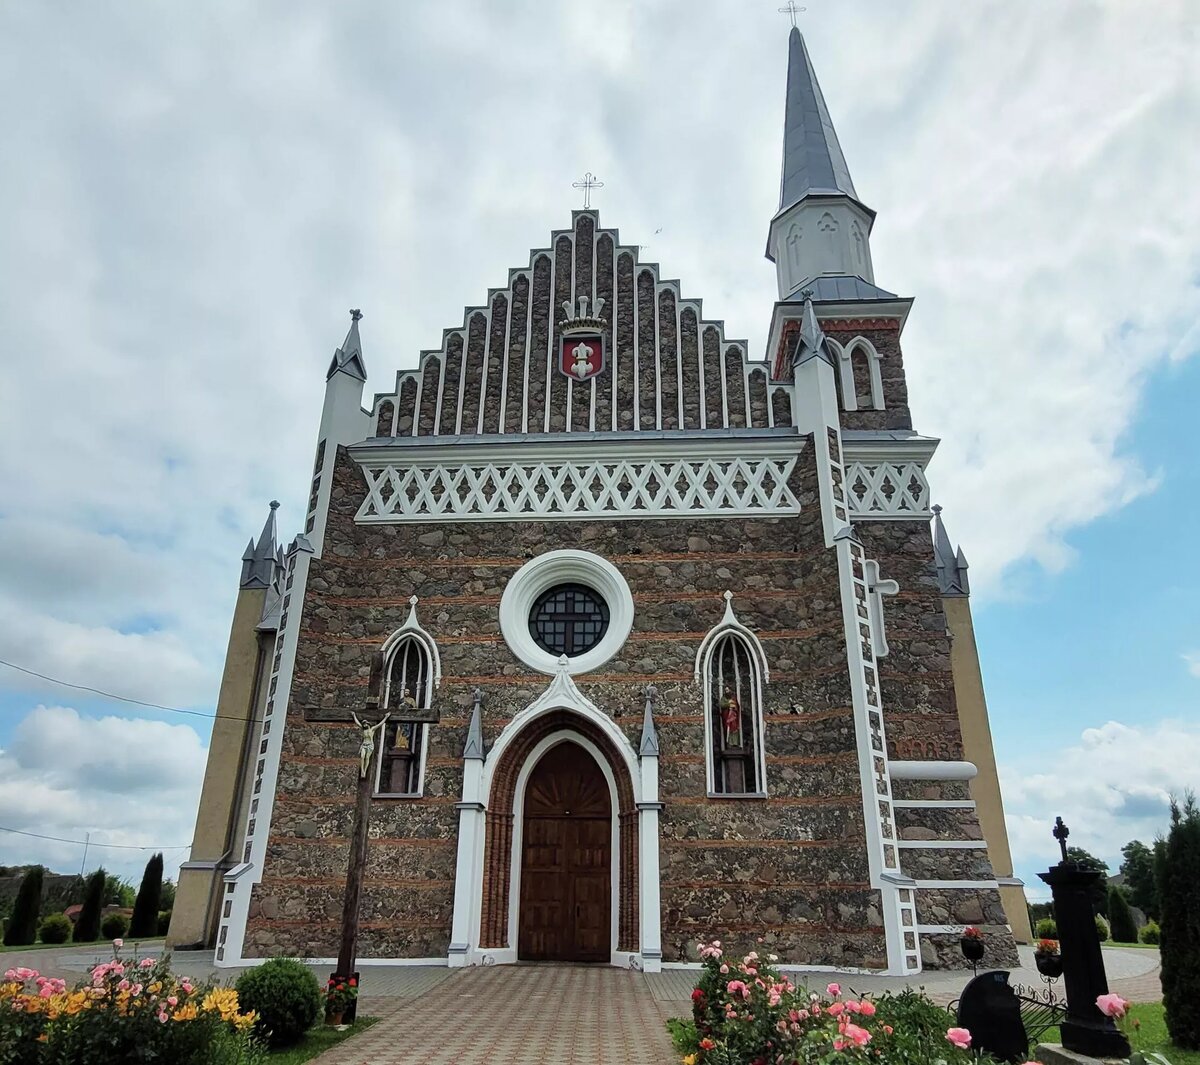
{"type": "Point", "coordinates": [498, 830]}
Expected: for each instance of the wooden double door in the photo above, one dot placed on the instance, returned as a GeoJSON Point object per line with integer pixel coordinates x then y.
{"type": "Point", "coordinates": [566, 860]}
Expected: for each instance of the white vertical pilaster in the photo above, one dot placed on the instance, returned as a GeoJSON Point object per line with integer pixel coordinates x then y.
{"type": "Point", "coordinates": [649, 903]}
{"type": "Point", "coordinates": [470, 838]}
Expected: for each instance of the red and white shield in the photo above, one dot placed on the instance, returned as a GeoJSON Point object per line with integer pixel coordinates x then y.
{"type": "Point", "coordinates": [581, 356]}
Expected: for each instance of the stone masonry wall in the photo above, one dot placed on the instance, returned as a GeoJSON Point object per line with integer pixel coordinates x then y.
{"type": "Point", "coordinates": [791, 867]}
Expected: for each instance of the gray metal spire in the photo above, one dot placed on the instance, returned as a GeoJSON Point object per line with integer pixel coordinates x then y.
{"type": "Point", "coordinates": [951, 564]}
{"type": "Point", "coordinates": [474, 745]}
{"type": "Point", "coordinates": [812, 342]}
{"type": "Point", "coordinates": [260, 560]}
{"type": "Point", "coordinates": [348, 359]}
{"type": "Point", "coordinates": [649, 744]}
{"type": "Point", "coordinates": [812, 158]}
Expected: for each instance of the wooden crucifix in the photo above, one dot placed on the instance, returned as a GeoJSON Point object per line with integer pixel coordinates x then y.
{"type": "Point", "coordinates": [357, 865]}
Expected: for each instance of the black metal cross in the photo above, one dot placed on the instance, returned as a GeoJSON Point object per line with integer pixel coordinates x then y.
{"type": "Point", "coordinates": [588, 183]}
{"type": "Point", "coordinates": [1061, 832]}
{"type": "Point", "coordinates": [791, 8]}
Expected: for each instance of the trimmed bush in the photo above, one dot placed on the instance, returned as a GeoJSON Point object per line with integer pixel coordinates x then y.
{"type": "Point", "coordinates": [114, 926]}
{"type": "Point", "coordinates": [87, 925]}
{"type": "Point", "coordinates": [145, 908]}
{"type": "Point", "coordinates": [1047, 928]}
{"type": "Point", "coordinates": [1179, 901]}
{"type": "Point", "coordinates": [1120, 917]}
{"type": "Point", "coordinates": [1102, 928]}
{"type": "Point", "coordinates": [22, 926]}
{"type": "Point", "coordinates": [164, 922]}
{"type": "Point", "coordinates": [1150, 933]}
{"type": "Point", "coordinates": [285, 995]}
{"type": "Point", "coordinates": [55, 929]}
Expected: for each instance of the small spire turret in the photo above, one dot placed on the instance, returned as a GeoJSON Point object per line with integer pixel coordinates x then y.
{"type": "Point", "coordinates": [951, 564]}
{"type": "Point", "coordinates": [348, 359]}
{"type": "Point", "coordinates": [260, 559]}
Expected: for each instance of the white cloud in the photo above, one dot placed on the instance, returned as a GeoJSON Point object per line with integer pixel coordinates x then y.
{"type": "Point", "coordinates": [128, 782]}
{"type": "Point", "coordinates": [1192, 658]}
{"type": "Point", "coordinates": [1113, 786]}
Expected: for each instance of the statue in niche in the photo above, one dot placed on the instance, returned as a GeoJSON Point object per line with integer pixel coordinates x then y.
{"type": "Point", "coordinates": [731, 718]}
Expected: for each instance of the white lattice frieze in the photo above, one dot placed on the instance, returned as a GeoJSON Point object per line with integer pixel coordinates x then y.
{"type": "Point", "coordinates": [693, 488]}
{"type": "Point", "coordinates": [888, 490]}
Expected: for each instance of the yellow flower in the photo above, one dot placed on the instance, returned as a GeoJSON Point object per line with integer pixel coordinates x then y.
{"type": "Point", "coordinates": [690, 1060]}
{"type": "Point", "coordinates": [245, 1021]}
{"type": "Point", "coordinates": [186, 1013]}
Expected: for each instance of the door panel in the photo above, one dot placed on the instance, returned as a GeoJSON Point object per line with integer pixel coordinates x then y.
{"type": "Point", "coordinates": [566, 860]}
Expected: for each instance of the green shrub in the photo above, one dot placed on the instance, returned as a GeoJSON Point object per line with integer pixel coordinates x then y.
{"type": "Point", "coordinates": [23, 924]}
{"type": "Point", "coordinates": [1047, 928]}
{"type": "Point", "coordinates": [144, 921]}
{"type": "Point", "coordinates": [285, 995]}
{"type": "Point", "coordinates": [87, 925]}
{"type": "Point", "coordinates": [1150, 933]}
{"type": "Point", "coordinates": [1178, 872]}
{"type": "Point", "coordinates": [1102, 928]}
{"type": "Point", "coordinates": [1120, 917]}
{"type": "Point", "coordinates": [164, 922]}
{"type": "Point", "coordinates": [55, 929]}
{"type": "Point", "coordinates": [114, 926]}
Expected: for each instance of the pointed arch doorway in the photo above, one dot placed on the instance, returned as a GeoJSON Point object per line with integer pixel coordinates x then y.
{"type": "Point", "coordinates": [566, 859]}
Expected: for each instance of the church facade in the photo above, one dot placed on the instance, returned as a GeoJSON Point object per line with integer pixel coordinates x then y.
{"type": "Point", "coordinates": [674, 644]}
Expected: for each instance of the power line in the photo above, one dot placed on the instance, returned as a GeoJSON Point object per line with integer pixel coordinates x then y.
{"type": "Point", "coordinates": [82, 843]}
{"type": "Point", "coordinates": [119, 698]}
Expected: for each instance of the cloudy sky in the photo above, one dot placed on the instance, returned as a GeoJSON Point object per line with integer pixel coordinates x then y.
{"type": "Point", "coordinates": [192, 197]}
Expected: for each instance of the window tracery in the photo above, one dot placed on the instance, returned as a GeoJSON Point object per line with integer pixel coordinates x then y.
{"type": "Point", "coordinates": [412, 672]}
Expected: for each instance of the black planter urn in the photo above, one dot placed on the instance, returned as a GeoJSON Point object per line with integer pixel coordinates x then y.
{"type": "Point", "coordinates": [1049, 965]}
{"type": "Point", "coordinates": [972, 948]}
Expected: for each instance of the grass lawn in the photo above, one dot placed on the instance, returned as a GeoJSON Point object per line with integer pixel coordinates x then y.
{"type": "Point", "coordinates": [317, 1041]}
{"type": "Point", "coordinates": [1151, 1037]}
{"type": "Point", "coordinates": [100, 944]}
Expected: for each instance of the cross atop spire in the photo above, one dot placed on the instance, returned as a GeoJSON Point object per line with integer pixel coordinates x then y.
{"type": "Point", "coordinates": [588, 183]}
{"type": "Point", "coordinates": [790, 8]}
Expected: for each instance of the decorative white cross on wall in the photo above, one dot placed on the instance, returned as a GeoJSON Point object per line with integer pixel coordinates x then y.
{"type": "Point", "coordinates": [876, 590]}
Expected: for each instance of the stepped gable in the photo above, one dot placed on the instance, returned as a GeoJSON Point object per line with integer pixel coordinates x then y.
{"type": "Point", "coordinates": [668, 367]}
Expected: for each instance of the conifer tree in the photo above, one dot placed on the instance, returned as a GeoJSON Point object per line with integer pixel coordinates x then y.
{"type": "Point", "coordinates": [145, 908]}
{"type": "Point", "coordinates": [87, 925]}
{"type": "Point", "coordinates": [1121, 925]}
{"type": "Point", "coordinates": [1178, 869]}
{"type": "Point", "coordinates": [23, 924]}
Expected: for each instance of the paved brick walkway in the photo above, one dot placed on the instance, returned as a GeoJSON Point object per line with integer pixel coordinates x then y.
{"type": "Point", "coordinates": [527, 1014]}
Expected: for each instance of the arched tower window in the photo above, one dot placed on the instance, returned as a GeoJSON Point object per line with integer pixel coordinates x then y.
{"type": "Point", "coordinates": [862, 381]}
{"type": "Point", "coordinates": [731, 667]}
{"type": "Point", "coordinates": [411, 673]}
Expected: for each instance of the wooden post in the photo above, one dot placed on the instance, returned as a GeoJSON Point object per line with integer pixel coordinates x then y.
{"type": "Point", "coordinates": [357, 865]}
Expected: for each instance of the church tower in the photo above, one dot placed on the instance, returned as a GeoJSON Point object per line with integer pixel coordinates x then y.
{"type": "Point", "coordinates": [667, 642]}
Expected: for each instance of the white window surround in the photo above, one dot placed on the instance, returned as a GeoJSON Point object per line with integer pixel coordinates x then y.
{"type": "Point", "coordinates": [410, 632]}
{"type": "Point", "coordinates": [845, 353]}
{"type": "Point", "coordinates": [566, 566]}
{"type": "Point", "coordinates": [730, 626]}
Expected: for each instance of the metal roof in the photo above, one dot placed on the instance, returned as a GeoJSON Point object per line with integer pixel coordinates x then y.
{"type": "Point", "coordinates": [841, 288]}
{"type": "Point", "coordinates": [812, 158]}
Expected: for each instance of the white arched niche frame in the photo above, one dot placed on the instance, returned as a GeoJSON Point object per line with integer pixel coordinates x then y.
{"type": "Point", "coordinates": [729, 627]}
{"type": "Point", "coordinates": [845, 360]}
{"type": "Point", "coordinates": [566, 566]}
{"type": "Point", "coordinates": [409, 634]}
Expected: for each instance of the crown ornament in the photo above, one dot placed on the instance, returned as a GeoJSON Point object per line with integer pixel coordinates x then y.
{"type": "Point", "coordinates": [580, 321]}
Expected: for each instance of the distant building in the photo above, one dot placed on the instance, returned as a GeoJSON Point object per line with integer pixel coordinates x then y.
{"type": "Point", "coordinates": [676, 646]}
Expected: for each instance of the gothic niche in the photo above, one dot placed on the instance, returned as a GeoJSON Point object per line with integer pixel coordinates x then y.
{"type": "Point", "coordinates": [732, 668]}
{"type": "Point", "coordinates": [409, 688]}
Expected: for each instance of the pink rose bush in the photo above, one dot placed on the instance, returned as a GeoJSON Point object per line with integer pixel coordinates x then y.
{"type": "Point", "coordinates": [110, 1019]}
{"type": "Point", "coordinates": [747, 1012]}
